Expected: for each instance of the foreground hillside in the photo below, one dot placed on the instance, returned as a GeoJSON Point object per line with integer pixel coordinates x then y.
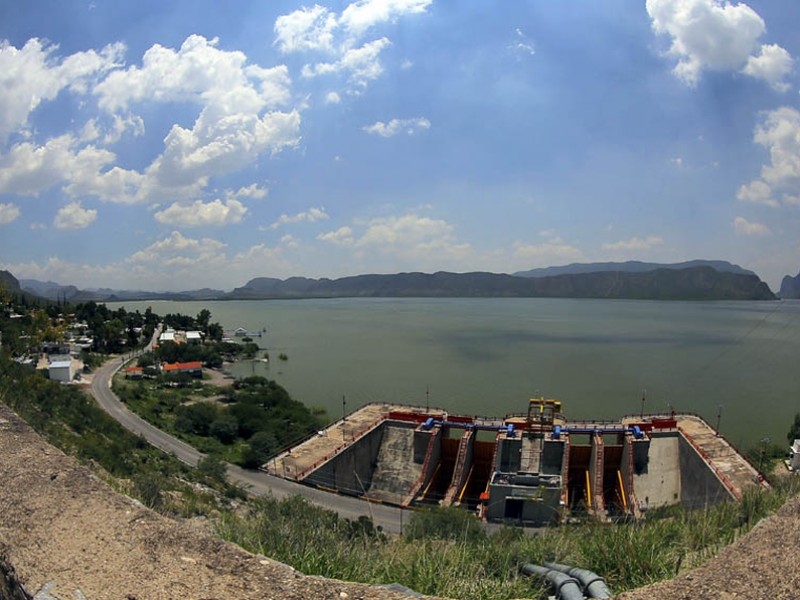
{"type": "Point", "coordinates": [65, 530]}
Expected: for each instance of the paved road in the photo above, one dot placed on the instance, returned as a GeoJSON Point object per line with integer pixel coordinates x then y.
{"type": "Point", "coordinates": [257, 483]}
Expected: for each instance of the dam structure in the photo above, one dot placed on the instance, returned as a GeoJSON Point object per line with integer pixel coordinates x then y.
{"type": "Point", "coordinates": [533, 468]}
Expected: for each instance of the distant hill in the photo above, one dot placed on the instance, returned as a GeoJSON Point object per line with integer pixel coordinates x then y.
{"type": "Point", "coordinates": [790, 287]}
{"type": "Point", "coordinates": [631, 266]}
{"type": "Point", "coordinates": [70, 293]}
{"type": "Point", "coordinates": [9, 282]}
{"type": "Point", "coordinates": [695, 283]}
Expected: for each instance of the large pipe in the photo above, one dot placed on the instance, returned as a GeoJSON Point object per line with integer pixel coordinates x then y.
{"type": "Point", "coordinates": [566, 587]}
{"type": "Point", "coordinates": [594, 585]}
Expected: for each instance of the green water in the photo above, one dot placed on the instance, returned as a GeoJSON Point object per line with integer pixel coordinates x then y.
{"type": "Point", "coordinates": [488, 356]}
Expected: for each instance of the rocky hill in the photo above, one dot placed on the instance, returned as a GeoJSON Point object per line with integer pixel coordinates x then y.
{"type": "Point", "coordinates": [9, 282]}
{"type": "Point", "coordinates": [632, 266]}
{"type": "Point", "coordinates": [790, 287]}
{"type": "Point", "coordinates": [695, 283]}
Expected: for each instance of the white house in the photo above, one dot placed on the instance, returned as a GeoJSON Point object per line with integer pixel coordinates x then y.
{"type": "Point", "coordinates": [194, 337]}
{"type": "Point", "coordinates": [60, 370]}
{"type": "Point", "coordinates": [794, 456]}
{"type": "Point", "coordinates": [167, 336]}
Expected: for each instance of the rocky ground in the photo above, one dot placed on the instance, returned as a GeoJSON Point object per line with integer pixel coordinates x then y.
{"type": "Point", "coordinates": [67, 532]}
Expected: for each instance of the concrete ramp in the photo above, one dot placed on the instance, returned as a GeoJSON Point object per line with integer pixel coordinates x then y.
{"type": "Point", "coordinates": [462, 470]}
{"type": "Point", "coordinates": [395, 472]}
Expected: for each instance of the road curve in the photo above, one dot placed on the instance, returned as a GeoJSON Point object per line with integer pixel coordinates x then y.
{"type": "Point", "coordinates": [257, 483]}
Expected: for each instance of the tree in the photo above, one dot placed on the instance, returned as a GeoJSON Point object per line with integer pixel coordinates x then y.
{"type": "Point", "coordinates": [794, 431]}
{"type": "Point", "coordinates": [213, 468]}
{"type": "Point", "coordinates": [225, 428]}
{"type": "Point", "coordinates": [258, 449]}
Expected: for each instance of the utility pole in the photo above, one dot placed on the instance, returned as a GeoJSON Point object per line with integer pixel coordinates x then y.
{"type": "Point", "coordinates": [427, 399]}
{"type": "Point", "coordinates": [644, 393]}
{"type": "Point", "coordinates": [719, 417]}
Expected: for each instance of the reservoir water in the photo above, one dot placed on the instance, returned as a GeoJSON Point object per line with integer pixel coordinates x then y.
{"type": "Point", "coordinates": [488, 356]}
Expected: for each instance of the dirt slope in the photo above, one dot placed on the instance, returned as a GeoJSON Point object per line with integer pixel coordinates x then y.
{"type": "Point", "coordinates": [64, 529]}
{"type": "Point", "coordinates": [762, 564]}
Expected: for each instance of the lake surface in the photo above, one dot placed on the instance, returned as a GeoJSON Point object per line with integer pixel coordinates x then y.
{"type": "Point", "coordinates": [488, 356]}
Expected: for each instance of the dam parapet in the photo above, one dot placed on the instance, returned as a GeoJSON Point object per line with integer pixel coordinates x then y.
{"type": "Point", "coordinates": [529, 469]}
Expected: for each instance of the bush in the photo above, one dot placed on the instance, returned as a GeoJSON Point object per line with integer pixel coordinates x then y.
{"type": "Point", "coordinates": [213, 468]}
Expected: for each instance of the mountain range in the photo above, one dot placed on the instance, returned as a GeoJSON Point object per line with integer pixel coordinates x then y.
{"type": "Point", "coordinates": [691, 280]}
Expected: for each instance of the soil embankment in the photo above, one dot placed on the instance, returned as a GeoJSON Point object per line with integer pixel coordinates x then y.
{"type": "Point", "coordinates": [65, 529]}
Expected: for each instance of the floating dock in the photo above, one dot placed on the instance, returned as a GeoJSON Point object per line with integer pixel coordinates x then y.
{"type": "Point", "coordinates": [531, 469]}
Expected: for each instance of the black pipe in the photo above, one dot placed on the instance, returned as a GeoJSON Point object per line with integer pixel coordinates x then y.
{"type": "Point", "coordinates": [566, 587]}
{"type": "Point", "coordinates": [594, 585]}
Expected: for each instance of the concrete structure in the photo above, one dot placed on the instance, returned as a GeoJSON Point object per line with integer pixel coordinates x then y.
{"type": "Point", "coordinates": [528, 469]}
{"type": "Point", "coordinates": [793, 463]}
{"type": "Point", "coordinates": [61, 370]}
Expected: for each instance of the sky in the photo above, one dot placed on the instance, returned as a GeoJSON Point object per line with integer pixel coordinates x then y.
{"type": "Point", "coordinates": [187, 144]}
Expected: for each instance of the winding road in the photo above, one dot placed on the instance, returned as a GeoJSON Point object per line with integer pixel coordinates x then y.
{"type": "Point", "coordinates": [257, 483]}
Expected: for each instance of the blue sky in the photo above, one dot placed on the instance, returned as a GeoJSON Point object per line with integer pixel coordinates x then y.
{"type": "Point", "coordinates": [171, 146]}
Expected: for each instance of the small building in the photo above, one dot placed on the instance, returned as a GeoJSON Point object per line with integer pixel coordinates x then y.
{"type": "Point", "coordinates": [167, 336]}
{"type": "Point", "coordinates": [794, 456]}
{"type": "Point", "coordinates": [60, 370]}
{"type": "Point", "coordinates": [134, 372]}
{"type": "Point", "coordinates": [194, 337]}
{"type": "Point", "coordinates": [193, 368]}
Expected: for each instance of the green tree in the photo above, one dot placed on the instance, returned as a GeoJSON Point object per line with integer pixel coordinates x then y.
{"type": "Point", "coordinates": [213, 468]}
{"type": "Point", "coordinates": [794, 431]}
{"type": "Point", "coordinates": [258, 449]}
{"type": "Point", "coordinates": [225, 428]}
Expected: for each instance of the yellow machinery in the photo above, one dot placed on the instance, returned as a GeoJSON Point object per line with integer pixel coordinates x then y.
{"type": "Point", "coordinates": [542, 413]}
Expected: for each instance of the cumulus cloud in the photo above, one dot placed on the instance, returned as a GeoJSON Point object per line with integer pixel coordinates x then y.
{"type": "Point", "coordinates": [415, 240]}
{"type": "Point", "coordinates": [779, 133]}
{"type": "Point", "coordinates": [341, 37]}
{"type": "Point", "coordinates": [396, 126]}
{"type": "Point", "coordinates": [309, 216]}
{"type": "Point", "coordinates": [8, 213]}
{"type": "Point", "coordinates": [717, 35]}
{"type": "Point", "coordinates": [31, 75]}
{"type": "Point", "coordinates": [332, 98]}
{"type": "Point", "coordinates": [744, 227]}
{"type": "Point", "coordinates": [252, 191]}
{"type": "Point", "coordinates": [635, 243]}
{"type": "Point", "coordinates": [361, 65]}
{"type": "Point", "coordinates": [200, 214]}
{"type": "Point", "coordinates": [546, 253]}
{"type": "Point", "coordinates": [177, 249]}
{"type": "Point", "coordinates": [341, 237]}
{"type": "Point", "coordinates": [28, 169]}
{"type": "Point", "coordinates": [74, 216]}
{"type": "Point", "coordinates": [238, 121]}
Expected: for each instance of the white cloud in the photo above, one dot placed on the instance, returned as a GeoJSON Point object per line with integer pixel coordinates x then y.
{"type": "Point", "coordinates": [779, 133]}
{"type": "Point", "coordinates": [522, 45]}
{"type": "Point", "coordinates": [332, 98]}
{"type": "Point", "coordinates": [396, 126]}
{"type": "Point", "coordinates": [635, 243]}
{"type": "Point", "coordinates": [74, 216]}
{"type": "Point", "coordinates": [290, 241]}
{"type": "Point", "coordinates": [361, 15]}
{"type": "Point", "coordinates": [341, 237]}
{"type": "Point", "coordinates": [677, 161]}
{"type": "Point", "coordinates": [31, 75]}
{"type": "Point", "coordinates": [236, 123]}
{"type": "Point", "coordinates": [200, 214]}
{"type": "Point", "coordinates": [545, 254]}
{"type": "Point", "coordinates": [772, 65]}
{"type": "Point", "coordinates": [8, 213]}
{"type": "Point", "coordinates": [717, 35]}
{"type": "Point", "coordinates": [341, 36]}
{"type": "Point", "coordinates": [306, 29]}
{"type": "Point", "coordinates": [28, 169]}
{"type": "Point", "coordinates": [179, 250]}
{"type": "Point", "coordinates": [310, 216]}
{"type": "Point", "coordinates": [758, 192]}
{"type": "Point", "coordinates": [251, 191]}
{"type": "Point", "coordinates": [361, 65]}
{"type": "Point", "coordinates": [744, 227]}
{"type": "Point", "coordinates": [175, 262]}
